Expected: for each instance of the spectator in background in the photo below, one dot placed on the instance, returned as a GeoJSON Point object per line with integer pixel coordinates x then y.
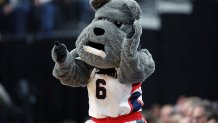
{"type": "Point", "coordinates": [214, 116]}
{"type": "Point", "coordinates": [212, 121]}
{"type": "Point", "coordinates": [14, 17]}
{"type": "Point", "coordinates": [6, 10]}
{"type": "Point", "coordinates": [180, 103]}
{"type": "Point", "coordinates": [73, 14]}
{"type": "Point", "coordinates": [149, 116]}
{"type": "Point", "coordinates": [176, 118]}
{"type": "Point", "coordinates": [155, 110]}
{"type": "Point", "coordinates": [201, 112]}
{"type": "Point", "coordinates": [46, 11]}
{"type": "Point", "coordinates": [187, 109]}
{"type": "Point", "coordinates": [67, 14]}
{"type": "Point", "coordinates": [85, 13]}
{"type": "Point", "coordinates": [165, 113]}
{"type": "Point", "coordinates": [21, 11]}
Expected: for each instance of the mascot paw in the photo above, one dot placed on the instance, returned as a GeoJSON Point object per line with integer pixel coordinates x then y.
{"type": "Point", "coordinates": [59, 52]}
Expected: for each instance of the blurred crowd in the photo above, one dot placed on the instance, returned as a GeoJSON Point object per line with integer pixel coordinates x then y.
{"type": "Point", "coordinates": [186, 110]}
{"type": "Point", "coordinates": [50, 18]}
{"type": "Point", "coordinates": [44, 17]}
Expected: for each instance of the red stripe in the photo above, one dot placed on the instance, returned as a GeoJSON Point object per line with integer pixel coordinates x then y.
{"type": "Point", "coordinates": [135, 86]}
{"type": "Point", "coordinates": [120, 119]}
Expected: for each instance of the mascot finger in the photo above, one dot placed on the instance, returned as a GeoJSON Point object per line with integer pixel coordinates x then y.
{"type": "Point", "coordinates": [130, 45]}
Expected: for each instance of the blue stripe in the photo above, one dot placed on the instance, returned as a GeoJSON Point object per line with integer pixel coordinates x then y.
{"type": "Point", "coordinates": [133, 100]}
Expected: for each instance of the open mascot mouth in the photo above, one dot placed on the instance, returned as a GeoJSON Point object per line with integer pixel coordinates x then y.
{"type": "Point", "coordinates": [95, 49]}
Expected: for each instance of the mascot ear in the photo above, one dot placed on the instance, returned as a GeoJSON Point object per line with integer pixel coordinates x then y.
{"type": "Point", "coordinates": [96, 4]}
{"type": "Point", "coordinates": [134, 8]}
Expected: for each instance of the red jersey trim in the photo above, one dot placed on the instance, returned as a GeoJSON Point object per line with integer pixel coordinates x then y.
{"type": "Point", "coordinates": [135, 86]}
{"type": "Point", "coordinates": [120, 119]}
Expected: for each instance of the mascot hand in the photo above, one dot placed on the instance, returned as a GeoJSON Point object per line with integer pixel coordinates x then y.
{"type": "Point", "coordinates": [136, 31]}
{"type": "Point", "coordinates": [59, 52]}
{"type": "Point", "coordinates": [131, 43]}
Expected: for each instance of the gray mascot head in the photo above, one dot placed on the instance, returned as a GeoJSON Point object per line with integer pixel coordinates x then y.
{"type": "Point", "coordinates": [110, 41]}
{"type": "Point", "coordinates": [101, 41]}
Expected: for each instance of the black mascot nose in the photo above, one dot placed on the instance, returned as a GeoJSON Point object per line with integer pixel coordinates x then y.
{"type": "Point", "coordinates": [99, 31]}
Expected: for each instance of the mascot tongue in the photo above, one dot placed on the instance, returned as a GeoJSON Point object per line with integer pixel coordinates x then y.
{"type": "Point", "coordinates": [94, 51]}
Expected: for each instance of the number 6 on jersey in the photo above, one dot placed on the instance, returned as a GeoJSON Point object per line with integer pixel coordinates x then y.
{"type": "Point", "coordinates": [100, 91]}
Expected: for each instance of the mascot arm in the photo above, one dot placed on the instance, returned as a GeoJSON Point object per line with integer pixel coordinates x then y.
{"type": "Point", "coordinates": [72, 71]}
{"type": "Point", "coordinates": [135, 65]}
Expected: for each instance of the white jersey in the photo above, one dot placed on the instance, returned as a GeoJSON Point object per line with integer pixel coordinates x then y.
{"type": "Point", "coordinates": [109, 98]}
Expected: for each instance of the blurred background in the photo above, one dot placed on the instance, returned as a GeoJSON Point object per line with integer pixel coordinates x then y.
{"type": "Point", "coordinates": [181, 35]}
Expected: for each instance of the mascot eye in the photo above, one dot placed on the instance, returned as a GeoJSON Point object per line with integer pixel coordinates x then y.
{"type": "Point", "coordinates": [100, 18]}
{"type": "Point", "coordinates": [118, 24]}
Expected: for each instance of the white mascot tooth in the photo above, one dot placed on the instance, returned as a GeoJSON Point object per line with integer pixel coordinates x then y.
{"type": "Point", "coordinates": [94, 51]}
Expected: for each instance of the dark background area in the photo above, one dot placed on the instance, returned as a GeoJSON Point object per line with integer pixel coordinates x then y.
{"type": "Point", "coordinates": [184, 50]}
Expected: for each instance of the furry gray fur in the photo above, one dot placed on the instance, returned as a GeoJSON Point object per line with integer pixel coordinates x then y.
{"type": "Point", "coordinates": [115, 27]}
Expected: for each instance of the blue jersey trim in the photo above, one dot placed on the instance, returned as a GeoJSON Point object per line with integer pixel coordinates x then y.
{"type": "Point", "coordinates": [134, 101]}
